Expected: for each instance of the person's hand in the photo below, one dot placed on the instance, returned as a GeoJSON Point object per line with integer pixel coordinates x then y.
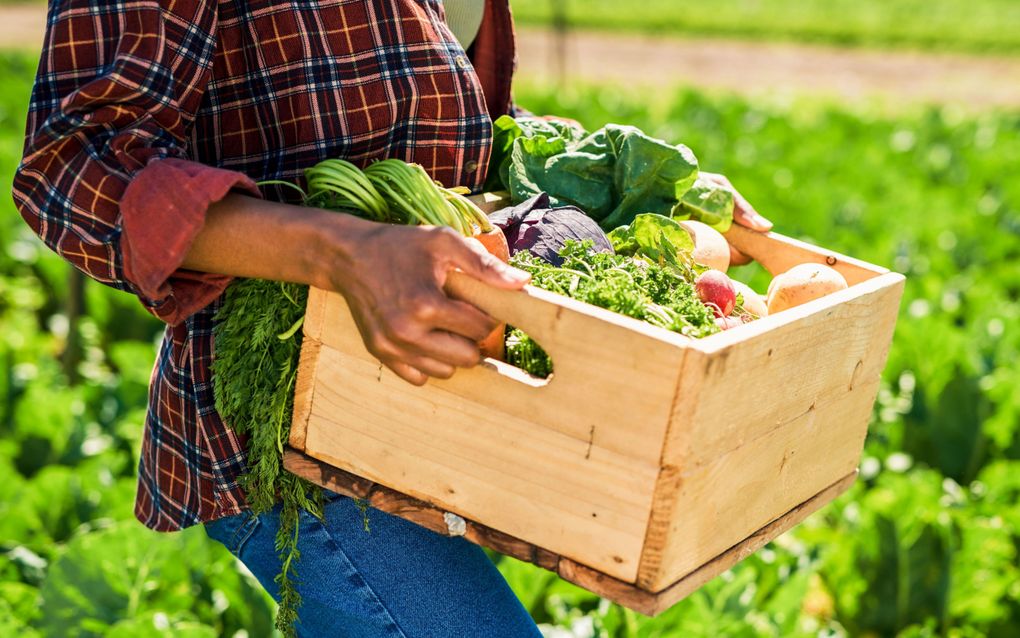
{"type": "Point", "coordinates": [392, 278]}
{"type": "Point", "coordinates": [743, 214]}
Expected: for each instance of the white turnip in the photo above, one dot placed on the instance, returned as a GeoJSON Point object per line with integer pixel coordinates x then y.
{"type": "Point", "coordinates": [710, 247]}
{"type": "Point", "coordinates": [801, 284]}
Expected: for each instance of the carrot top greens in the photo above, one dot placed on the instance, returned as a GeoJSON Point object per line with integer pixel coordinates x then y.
{"type": "Point", "coordinates": [654, 292]}
{"type": "Point", "coordinates": [258, 340]}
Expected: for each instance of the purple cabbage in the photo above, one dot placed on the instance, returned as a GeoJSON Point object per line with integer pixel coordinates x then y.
{"type": "Point", "coordinates": [535, 226]}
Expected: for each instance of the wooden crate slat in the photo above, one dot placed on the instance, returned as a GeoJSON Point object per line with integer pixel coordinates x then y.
{"type": "Point", "coordinates": [778, 253]}
{"type": "Point", "coordinates": [571, 496]}
{"type": "Point", "coordinates": [626, 594]}
{"type": "Point", "coordinates": [747, 384]}
{"type": "Point", "coordinates": [725, 500]}
{"type": "Point", "coordinates": [839, 346]}
{"type": "Point", "coordinates": [589, 346]}
{"type": "Point", "coordinates": [647, 464]}
{"type": "Point", "coordinates": [712, 568]}
{"type": "Point", "coordinates": [304, 390]}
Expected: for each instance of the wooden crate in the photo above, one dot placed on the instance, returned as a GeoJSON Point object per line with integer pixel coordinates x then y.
{"type": "Point", "coordinates": [646, 465]}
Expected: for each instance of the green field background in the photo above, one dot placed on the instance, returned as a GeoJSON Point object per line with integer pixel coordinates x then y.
{"type": "Point", "coordinates": [926, 544]}
{"type": "Point", "coordinates": [961, 25]}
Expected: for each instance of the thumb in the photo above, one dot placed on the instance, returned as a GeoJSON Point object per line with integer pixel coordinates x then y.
{"type": "Point", "coordinates": [471, 257]}
{"type": "Point", "coordinates": [745, 215]}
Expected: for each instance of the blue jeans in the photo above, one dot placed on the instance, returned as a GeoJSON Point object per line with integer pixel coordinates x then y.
{"type": "Point", "coordinates": [397, 580]}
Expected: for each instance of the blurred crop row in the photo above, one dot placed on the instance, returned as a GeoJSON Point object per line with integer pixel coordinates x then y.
{"type": "Point", "coordinates": [958, 25]}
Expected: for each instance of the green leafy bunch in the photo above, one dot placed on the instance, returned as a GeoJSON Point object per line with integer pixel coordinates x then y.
{"type": "Point", "coordinates": [257, 348]}
{"type": "Point", "coordinates": [258, 339]}
{"type": "Point", "coordinates": [654, 292]}
{"type": "Point", "coordinates": [613, 174]}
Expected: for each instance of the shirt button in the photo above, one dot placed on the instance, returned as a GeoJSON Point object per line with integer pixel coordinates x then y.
{"type": "Point", "coordinates": [471, 166]}
{"type": "Point", "coordinates": [461, 61]}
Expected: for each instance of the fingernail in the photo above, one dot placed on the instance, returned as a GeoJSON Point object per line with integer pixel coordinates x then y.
{"type": "Point", "coordinates": [760, 221]}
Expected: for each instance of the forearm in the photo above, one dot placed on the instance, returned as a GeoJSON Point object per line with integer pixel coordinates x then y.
{"type": "Point", "coordinates": [249, 237]}
{"type": "Point", "coordinates": [392, 276]}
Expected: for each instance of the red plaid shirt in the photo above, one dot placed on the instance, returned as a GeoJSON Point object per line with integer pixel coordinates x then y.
{"type": "Point", "coordinates": [144, 112]}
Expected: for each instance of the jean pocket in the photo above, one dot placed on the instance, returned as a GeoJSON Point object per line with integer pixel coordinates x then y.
{"type": "Point", "coordinates": [233, 531]}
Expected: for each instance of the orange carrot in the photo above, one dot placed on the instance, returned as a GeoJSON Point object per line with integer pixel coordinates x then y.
{"type": "Point", "coordinates": [495, 242]}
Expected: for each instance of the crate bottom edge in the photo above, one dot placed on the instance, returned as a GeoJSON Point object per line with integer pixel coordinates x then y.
{"type": "Point", "coordinates": [630, 595]}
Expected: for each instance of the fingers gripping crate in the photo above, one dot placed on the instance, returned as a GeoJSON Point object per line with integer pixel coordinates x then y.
{"type": "Point", "coordinates": [646, 465]}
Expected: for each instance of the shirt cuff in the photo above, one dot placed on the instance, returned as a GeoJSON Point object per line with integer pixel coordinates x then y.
{"type": "Point", "coordinates": [162, 210]}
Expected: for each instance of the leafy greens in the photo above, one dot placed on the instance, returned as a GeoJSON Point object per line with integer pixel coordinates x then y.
{"type": "Point", "coordinates": [613, 174]}
{"type": "Point", "coordinates": [257, 350]}
{"type": "Point", "coordinates": [654, 237]}
{"type": "Point", "coordinates": [636, 287]}
{"type": "Point", "coordinates": [708, 203]}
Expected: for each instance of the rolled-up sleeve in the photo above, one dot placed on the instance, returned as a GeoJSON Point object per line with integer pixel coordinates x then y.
{"type": "Point", "coordinates": [105, 179]}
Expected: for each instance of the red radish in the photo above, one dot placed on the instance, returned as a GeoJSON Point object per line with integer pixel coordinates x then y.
{"type": "Point", "coordinates": [725, 323]}
{"type": "Point", "coordinates": [717, 292]}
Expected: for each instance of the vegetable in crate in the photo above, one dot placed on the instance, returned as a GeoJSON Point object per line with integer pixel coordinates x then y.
{"type": "Point", "coordinates": [688, 247]}
{"type": "Point", "coordinates": [536, 226]}
{"type": "Point", "coordinates": [752, 302]}
{"type": "Point", "coordinates": [708, 203]}
{"type": "Point", "coordinates": [637, 287]}
{"type": "Point", "coordinates": [505, 130]}
{"type": "Point", "coordinates": [801, 284]}
{"type": "Point", "coordinates": [612, 174]}
{"type": "Point", "coordinates": [710, 247]}
{"type": "Point", "coordinates": [657, 238]}
{"type": "Point", "coordinates": [258, 337]}
{"type": "Point", "coordinates": [717, 292]}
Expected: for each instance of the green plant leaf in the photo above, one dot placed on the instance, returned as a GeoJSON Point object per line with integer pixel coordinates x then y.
{"type": "Point", "coordinates": [655, 237]}
{"type": "Point", "coordinates": [612, 174]}
{"type": "Point", "coordinates": [122, 572]}
{"type": "Point", "coordinates": [708, 203]}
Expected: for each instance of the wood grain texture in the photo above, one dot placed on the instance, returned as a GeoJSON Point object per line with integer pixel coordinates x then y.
{"type": "Point", "coordinates": [725, 500]}
{"type": "Point", "coordinates": [744, 382]}
{"type": "Point", "coordinates": [315, 313]}
{"type": "Point", "coordinates": [412, 509]}
{"type": "Point", "coordinates": [645, 461]}
{"type": "Point", "coordinates": [737, 390]}
{"type": "Point", "coordinates": [304, 386]}
{"type": "Point", "coordinates": [570, 495]}
{"type": "Point", "coordinates": [566, 464]}
{"type": "Point", "coordinates": [589, 347]}
{"type": "Point", "coordinates": [304, 390]}
{"type": "Point", "coordinates": [623, 593]}
{"type": "Point", "coordinates": [779, 253]}
{"type": "Point", "coordinates": [691, 582]}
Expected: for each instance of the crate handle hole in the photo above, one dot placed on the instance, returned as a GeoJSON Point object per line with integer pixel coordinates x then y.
{"type": "Point", "coordinates": [526, 360]}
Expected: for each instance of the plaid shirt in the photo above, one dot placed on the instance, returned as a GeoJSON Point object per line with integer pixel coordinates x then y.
{"type": "Point", "coordinates": [144, 112]}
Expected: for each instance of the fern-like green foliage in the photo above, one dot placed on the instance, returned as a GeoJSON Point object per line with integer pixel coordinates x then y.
{"type": "Point", "coordinates": [257, 350]}
{"type": "Point", "coordinates": [258, 341]}
{"type": "Point", "coordinates": [659, 293]}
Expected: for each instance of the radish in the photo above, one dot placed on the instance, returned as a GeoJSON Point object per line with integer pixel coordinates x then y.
{"type": "Point", "coordinates": [726, 323]}
{"type": "Point", "coordinates": [717, 292]}
{"type": "Point", "coordinates": [753, 302]}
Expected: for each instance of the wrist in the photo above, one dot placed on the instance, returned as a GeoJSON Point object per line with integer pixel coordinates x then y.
{"type": "Point", "coordinates": [333, 240]}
